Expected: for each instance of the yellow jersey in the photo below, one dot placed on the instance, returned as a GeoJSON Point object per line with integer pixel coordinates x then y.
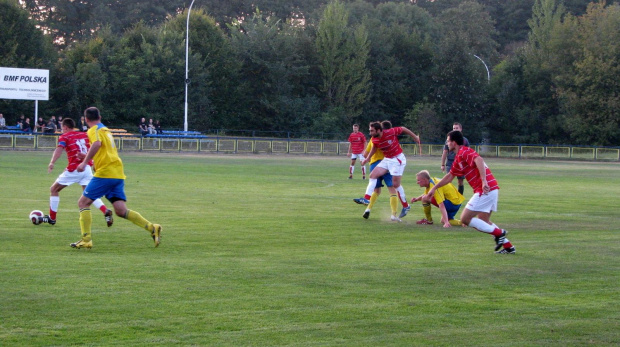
{"type": "Point", "coordinates": [447, 192]}
{"type": "Point", "coordinates": [107, 162]}
{"type": "Point", "coordinates": [378, 153]}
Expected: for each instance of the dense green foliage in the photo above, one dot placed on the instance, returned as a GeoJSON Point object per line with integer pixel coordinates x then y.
{"type": "Point", "coordinates": [271, 251]}
{"type": "Point", "coordinates": [318, 66]}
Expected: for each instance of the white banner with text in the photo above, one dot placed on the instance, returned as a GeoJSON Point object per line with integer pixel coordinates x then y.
{"type": "Point", "coordinates": [24, 84]}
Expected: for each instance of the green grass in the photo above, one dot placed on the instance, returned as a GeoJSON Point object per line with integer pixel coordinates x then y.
{"type": "Point", "coordinates": [270, 250]}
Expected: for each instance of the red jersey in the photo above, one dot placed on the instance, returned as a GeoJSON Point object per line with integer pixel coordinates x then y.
{"type": "Point", "coordinates": [465, 165]}
{"type": "Point", "coordinates": [74, 142]}
{"type": "Point", "coordinates": [388, 142]}
{"type": "Point", "coordinates": [358, 142]}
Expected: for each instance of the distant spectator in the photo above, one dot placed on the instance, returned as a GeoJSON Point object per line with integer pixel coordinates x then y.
{"type": "Point", "coordinates": [158, 127]}
{"type": "Point", "coordinates": [142, 127]}
{"type": "Point", "coordinates": [151, 127]}
{"type": "Point", "coordinates": [58, 122]}
{"type": "Point", "coordinates": [26, 127]}
{"type": "Point", "coordinates": [51, 127]}
{"type": "Point", "coordinates": [2, 122]}
{"type": "Point", "coordinates": [82, 125]}
{"type": "Point", "coordinates": [20, 121]}
{"type": "Point", "coordinates": [40, 126]}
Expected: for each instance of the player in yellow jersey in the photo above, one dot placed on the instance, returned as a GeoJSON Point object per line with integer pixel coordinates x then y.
{"type": "Point", "coordinates": [108, 181]}
{"type": "Point", "coordinates": [447, 198]}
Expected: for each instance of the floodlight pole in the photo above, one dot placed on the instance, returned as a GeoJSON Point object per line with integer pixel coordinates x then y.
{"type": "Point", "coordinates": [485, 65]}
{"type": "Point", "coordinates": [187, 63]}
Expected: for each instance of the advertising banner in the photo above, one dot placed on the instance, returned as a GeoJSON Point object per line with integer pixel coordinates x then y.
{"type": "Point", "coordinates": [24, 84]}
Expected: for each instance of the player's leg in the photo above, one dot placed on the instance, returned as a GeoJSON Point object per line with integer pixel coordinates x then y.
{"type": "Point", "coordinates": [377, 172]}
{"type": "Point", "coordinates": [396, 180]}
{"type": "Point", "coordinates": [118, 198]}
{"type": "Point", "coordinates": [452, 210]}
{"type": "Point", "coordinates": [85, 223]}
{"type": "Point", "coordinates": [361, 157]}
{"type": "Point", "coordinates": [477, 215]}
{"type": "Point", "coordinates": [352, 166]}
{"type": "Point", "coordinates": [54, 202]}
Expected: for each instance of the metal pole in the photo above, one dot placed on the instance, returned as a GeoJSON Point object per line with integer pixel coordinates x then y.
{"type": "Point", "coordinates": [187, 63]}
{"type": "Point", "coordinates": [485, 65]}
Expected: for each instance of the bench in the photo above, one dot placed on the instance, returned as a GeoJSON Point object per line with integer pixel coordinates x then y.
{"type": "Point", "coordinates": [179, 132]}
{"type": "Point", "coordinates": [171, 136]}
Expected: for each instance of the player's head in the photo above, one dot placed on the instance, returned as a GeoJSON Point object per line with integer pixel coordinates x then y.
{"type": "Point", "coordinates": [356, 128]}
{"type": "Point", "coordinates": [455, 137]}
{"type": "Point", "coordinates": [386, 124]}
{"type": "Point", "coordinates": [375, 129]}
{"type": "Point", "coordinates": [457, 126]}
{"type": "Point", "coordinates": [423, 178]}
{"type": "Point", "coordinates": [92, 114]}
{"type": "Point", "coordinates": [67, 125]}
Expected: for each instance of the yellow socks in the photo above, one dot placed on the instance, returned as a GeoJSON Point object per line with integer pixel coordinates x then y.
{"type": "Point", "coordinates": [137, 219]}
{"type": "Point", "coordinates": [427, 212]}
{"type": "Point", "coordinates": [373, 199]}
{"type": "Point", "coordinates": [394, 203]}
{"type": "Point", "coordinates": [85, 223]}
{"type": "Point", "coordinates": [455, 222]}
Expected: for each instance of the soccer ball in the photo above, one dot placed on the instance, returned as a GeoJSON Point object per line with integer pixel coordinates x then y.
{"type": "Point", "coordinates": [36, 217]}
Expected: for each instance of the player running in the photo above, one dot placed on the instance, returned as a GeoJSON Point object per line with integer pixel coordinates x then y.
{"type": "Point", "coordinates": [76, 145]}
{"type": "Point", "coordinates": [357, 142]}
{"type": "Point", "coordinates": [109, 180]}
{"type": "Point", "coordinates": [470, 164]}
{"type": "Point", "coordinates": [394, 161]}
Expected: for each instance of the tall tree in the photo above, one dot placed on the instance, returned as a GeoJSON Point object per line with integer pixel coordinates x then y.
{"type": "Point", "coordinates": [343, 52]}
{"type": "Point", "coordinates": [22, 45]}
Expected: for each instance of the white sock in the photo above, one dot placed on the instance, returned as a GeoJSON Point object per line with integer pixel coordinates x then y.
{"type": "Point", "coordinates": [54, 201]}
{"type": "Point", "coordinates": [372, 184]}
{"type": "Point", "coordinates": [481, 225]}
{"type": "Point", "coordinates": [351, 169]}
{"type": "Point", "coordinates": [363, 170]}
{"type": "Point", "coordinates": [98, 203]}
{"type": "Point", "coordinates": [401, 194]}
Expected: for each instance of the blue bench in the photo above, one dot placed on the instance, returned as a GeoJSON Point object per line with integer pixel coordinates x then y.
{"type": "Point", "coordinates": [13, 132]}
{"type": "Point", "coordinates": [179, 132]}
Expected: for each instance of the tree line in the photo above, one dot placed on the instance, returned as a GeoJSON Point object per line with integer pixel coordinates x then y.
{"type": "Point", "coordinates": [318, 66]}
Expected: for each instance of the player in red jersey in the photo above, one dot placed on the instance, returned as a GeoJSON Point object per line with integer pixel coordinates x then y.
{"type": "Point", "coordinates": [357, 142]}
{"type": "Point", "coordinates": [76, 144]}
{"type": "Point", "coordinates": [478, 211]}
{"type": "Point", "coordinates": [394, 161]}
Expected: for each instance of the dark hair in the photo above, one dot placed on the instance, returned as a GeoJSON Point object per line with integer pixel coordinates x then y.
{"type": "Point", "coordinates": [376, 125]}
{"type": "Point", "coordinates": [356, 125]}
{"type": "Point", "coordinates": [459, 124]}
{"type": "Point", "coordinates": [68, 122]}
{"type": "Point", "coordinates": [386, 124]}
{"type": "Point", "coordinates": [456, 136]}
{"type": "Point", "coordinates": [92, 113]}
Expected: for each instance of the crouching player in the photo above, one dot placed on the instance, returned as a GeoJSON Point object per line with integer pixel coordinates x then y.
{"type": "Point", "coordinates": [447, 198]}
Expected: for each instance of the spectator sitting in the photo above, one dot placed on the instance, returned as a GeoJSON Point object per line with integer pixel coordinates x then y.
{"type": "Point", "coordinates": [20, 121]}
{"type": "Point", "coordinates": [51, 126]}
{"type": "Point", "coordinates": [158, 127]}
{"type": "Point", "coordinates": [2, 122]}
{"type": "Point", "coordinates": [26, 126]}
{"type": "Point", "coordinates": [142, 127]}
{"type": "Point", "coordinates": [151, 127]}
{"type": "Point", "coordinates": [40, 126]}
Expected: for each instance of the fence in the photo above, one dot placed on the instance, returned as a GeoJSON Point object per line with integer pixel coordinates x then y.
{"type": "Point", "coordinates": [315, 147]}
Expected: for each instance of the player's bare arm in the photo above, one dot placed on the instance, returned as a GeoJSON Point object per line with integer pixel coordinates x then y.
{"type": "Point", "coordinates": [483, 174]}
{"type": "Point", "coordinates": [415, 137]}
{"type": "Point", "coordinates": [445, 180]}
{"type": "Point", "coordinates": [444, 156]}
{"type": "Point", "coordinates": [55, 156]}
{"type": "Point", "coordinates": [94, 148]}
{"type": "Point", "coordinates": [367, 158]}
{"type": "Point", "coordinates": [444, 216]}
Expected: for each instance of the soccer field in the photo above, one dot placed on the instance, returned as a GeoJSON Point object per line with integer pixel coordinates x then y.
{"type": "Point", "coordinates": [271, 250]}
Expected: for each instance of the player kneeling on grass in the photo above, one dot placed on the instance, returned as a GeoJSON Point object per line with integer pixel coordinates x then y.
{"type": "Point", "coordinates": [478, 211]}
{"type": "Point", "coordinates": [447, 198]}
{"type": "Point", "coordinates": [76, 145]}
{"type": "Point", "coordinates": [108, 181]}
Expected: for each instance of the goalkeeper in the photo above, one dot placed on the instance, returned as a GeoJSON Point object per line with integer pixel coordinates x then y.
{"type": "Point", "coordinates": [447, 198]}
